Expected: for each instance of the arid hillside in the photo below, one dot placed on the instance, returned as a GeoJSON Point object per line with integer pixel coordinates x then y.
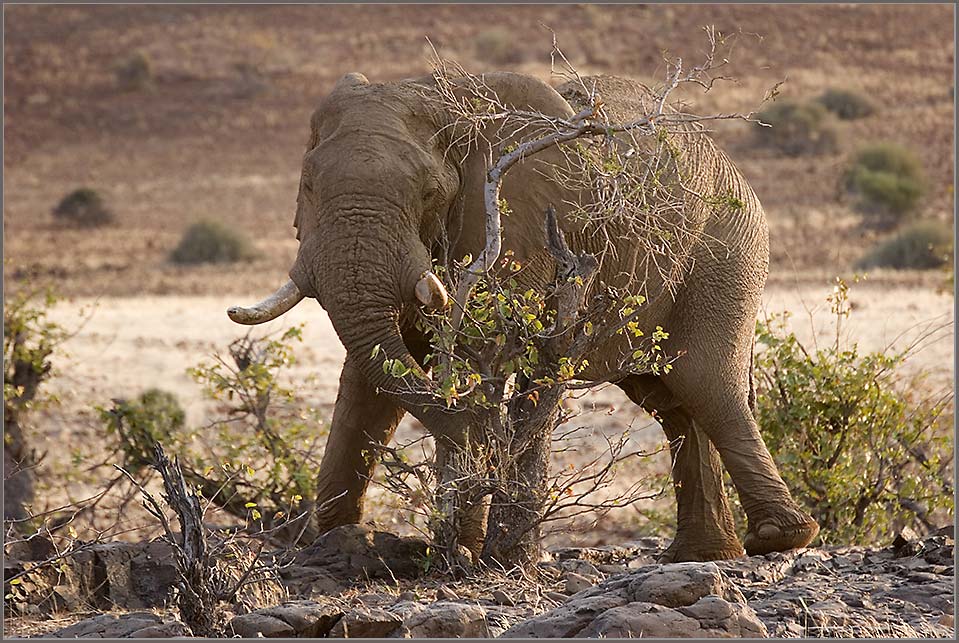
{"type": "Point", "coordinates": [218, 129]}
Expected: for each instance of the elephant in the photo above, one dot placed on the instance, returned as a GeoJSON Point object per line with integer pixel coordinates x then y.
{"type": "Point", "coordinates": [382, 197]}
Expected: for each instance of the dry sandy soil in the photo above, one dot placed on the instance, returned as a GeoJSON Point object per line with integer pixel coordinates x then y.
{"type": "Point", "coordinates": [220, 135]}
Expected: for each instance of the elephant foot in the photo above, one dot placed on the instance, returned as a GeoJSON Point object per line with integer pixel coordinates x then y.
{"type": "Point", "coordinates": [690, 549]}
{"type": "Point", "coordinates": [794, 530]}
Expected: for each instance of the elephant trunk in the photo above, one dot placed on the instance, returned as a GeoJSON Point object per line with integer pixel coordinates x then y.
{"type": "Point", "coordinates": [364, 278]}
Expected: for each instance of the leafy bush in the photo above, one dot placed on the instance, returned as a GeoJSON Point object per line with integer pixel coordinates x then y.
{"type": "Point", "coordinates": [83, 208]}
{"type": "Point", "coordinates": [212, 242]}
{"type": "Point", "coordinates": [847, 105]}
{"type": "Point", "coordinates": [134, 73]}
{"type": "Point", "coordinates": [28, 341]}
{"type": "Point", "coordinates": [862, 450]}
{"type": "Point", "coordinates": [258, 462]}
{"type": "Point", "coordinates": [797, 128]}
{"type": "Point", "coordinates": [155, 416]}
{"type": "Point", "coordinates": [497, 46]}
{"type": "Point", "coordinates": [888, 180]}
{"type": "Point", "coordinates": [921, 246]}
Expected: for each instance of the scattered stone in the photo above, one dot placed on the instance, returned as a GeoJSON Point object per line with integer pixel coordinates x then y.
{"type": "Point", "coordinates": [556, 596]}
{"type": "Point", "coordinates": [132, 625]}
{"type": "Point", "coordinates": [679, 584]}
{"type": "Point", "coordinates": [575, 583]}
{"type": "Point", "coordinates": [446, 620]}
{"type": "Point", "coordinates": [366, 623]}
{"type": "Point", "coordinates": [581, 567]}
{"type": "Point", "coordinates": [356, 553]}
{"type": "Point", "coordinates": [445, 593]}
{"type": "Point", "coordinates": [565, 621]}
{"type": "Point", "coordinates": [305, 619]}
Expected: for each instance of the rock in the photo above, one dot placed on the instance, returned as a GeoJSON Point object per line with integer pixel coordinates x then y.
{"type": "Point", "coordinates": [949, 531]}
{"type": "Point", "coordinates": [502, 598]}
{"type": "Point", "coordinates": [679, 599]}
{"type": "Point", "coordinates": [678, 584]}
{"type": "Point", "coordinates": [305, 619]}
{"type": "Point", "coordinates": [581, 567]}
{"type": "Point", "coordinates": [254, 625]}
{"type": "Point", "coordinates": [172, 629]}
{"type": "Point", "coordinates": [366, 623]}
{"type": "Point", "coordinates": [356, 552]}
{"type": "Point", "coordinates": [445, 593]}
{"type": "Point", "coordinates": [575, 583]}
{"type": "Point", "coordinates": [565, 621]}
{"type": "Point", "coordinates": [709, 617]}
{"type": "Point", "coordinates": [447, 620]}
{"type": "Point", "coordinates": [719, 617]}
{"type": "Point", "coordinates": [132, 625]}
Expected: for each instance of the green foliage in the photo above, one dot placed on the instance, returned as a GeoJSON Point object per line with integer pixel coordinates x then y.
{"type": "Point", "coordinates": [503, 332]}
{"type": "Point", "coordinates": [888, 181]}
{"type": "Point", "coordinates": [83, 208]}
{"type": "Point", "coordinates": [846, 104]}
{"type": "Point", "coordinates": [212, 242]}
{"type": "Point", "coordinates": [260, 460]}
{"type": "Point", "coordinates": [497, 46]}
{"type": "Point", "coordinates": [860, 451]}
{"type": "Point", "coordinates": [136, 425]}
{"type": "Point", "coordinates": [134, 73]}
{"type": "Point", "coordinates": [28, 341]}
{"type": "Point", "coordinates": [798, 128]}
{"type": "Point", "coordinates": [923, 245]}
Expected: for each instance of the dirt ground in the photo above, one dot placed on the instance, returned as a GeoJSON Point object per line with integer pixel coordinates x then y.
{"type": "Point", "coordinates": [220, 131]}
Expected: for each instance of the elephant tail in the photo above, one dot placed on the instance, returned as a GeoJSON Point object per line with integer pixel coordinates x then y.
{"type": "Point", "coordinates": [752, 380]}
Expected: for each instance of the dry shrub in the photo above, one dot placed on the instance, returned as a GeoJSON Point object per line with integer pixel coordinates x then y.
{"type": "Point", "coordinates": [846, 104]}
{"type": "Point", "coordinates": [888, 181]}
{"type": "Point", "coordinates": [924, 245]}
{"type": "Point", "coordinates": [134, 73]}
{"type": "Point", "coordinates": [798, 128]}
{"type": "Point", "coordinates": [83, 208]}
{"type": "Point", "coordinates": [212, 242]}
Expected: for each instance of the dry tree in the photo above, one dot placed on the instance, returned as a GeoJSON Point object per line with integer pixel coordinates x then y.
{"type": "Point", "coordinates": [506, 353]}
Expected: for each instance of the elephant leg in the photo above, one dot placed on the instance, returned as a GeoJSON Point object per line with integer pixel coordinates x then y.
{"type": "Point", "coordinates": [775, 521]}
{"type": "Point", "coordinates": [361, 419]}
{"type": "Point", "coordinates": [705, 529]}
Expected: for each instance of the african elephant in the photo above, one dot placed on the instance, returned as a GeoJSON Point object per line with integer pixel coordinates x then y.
{"type": "Point", "coordinates": [380, 189]}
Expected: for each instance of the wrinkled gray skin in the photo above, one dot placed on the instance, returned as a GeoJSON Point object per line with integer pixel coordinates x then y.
{"type": "Point", "coordinates": [376, 198]}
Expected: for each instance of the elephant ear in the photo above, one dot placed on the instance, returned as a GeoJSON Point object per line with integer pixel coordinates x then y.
{"type": "Point", "coordinates": [528, 93]}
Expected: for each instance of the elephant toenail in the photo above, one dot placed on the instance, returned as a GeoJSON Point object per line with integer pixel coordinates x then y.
{"type": "Point", "coordinates": [768, 532]}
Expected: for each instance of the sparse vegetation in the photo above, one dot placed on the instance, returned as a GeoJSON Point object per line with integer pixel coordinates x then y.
{"type": "Point", "coordinates": [258, 462]}
{"type": "Point", "coordinates": [798, 128]}
{"type": "Point", "coordinates": [861, 446]}
{"type": "Point", "coordinates": [135, 73]}
{"type": "Point", "coordinates": [28, 341]}
{"type": "Point", "coordinates": [212, 242]}
{"type": "Point", "coordinates": [846, 104]}
{"type": "Point", "coordinates": [924, 245]}
{"type": "Point", "coordinates": [83, 208]}
{"type": "Point", "coordinates": [497, 46]}
{"type": "Point", "coordinates": [888, 181]}
{"type": "Point", "coordinates": [155, 416]}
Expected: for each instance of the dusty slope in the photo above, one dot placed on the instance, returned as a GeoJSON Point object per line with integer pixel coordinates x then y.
{"type": "Point", "coordinates": [221, 133]}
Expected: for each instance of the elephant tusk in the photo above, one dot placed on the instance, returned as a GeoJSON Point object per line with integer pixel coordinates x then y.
{"type": "Point", "coordinates": [431, 292]}
{"type": "Point", "coordinates": [287, 296]}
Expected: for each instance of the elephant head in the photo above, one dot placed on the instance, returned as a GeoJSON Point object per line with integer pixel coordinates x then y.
{"type": "Point", "coordinates": [377, 193]}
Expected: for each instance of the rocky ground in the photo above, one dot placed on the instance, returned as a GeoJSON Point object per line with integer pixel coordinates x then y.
{"type": "Point", "coordinates": [356, 583]}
